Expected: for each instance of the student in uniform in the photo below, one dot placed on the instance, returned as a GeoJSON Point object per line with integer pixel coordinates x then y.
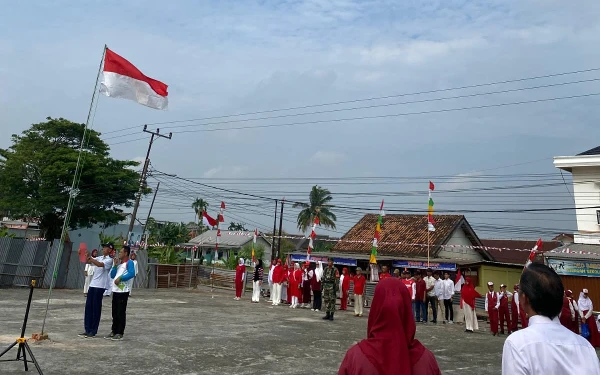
{"type": "Point", "coordinates": [503, 314]}
{"type": "Point", "coordinates": [122, 272]}
{"type": "Point", "coordinates": [257, 281]}
{"type": "Point", "coordinates": [359, 291]}
{"type": "Point", "coordinates": [93, 302]}
{"type": "Point", "coordinates": [492, 303]}
{"type": "Point", "coordinates": [89, 273]}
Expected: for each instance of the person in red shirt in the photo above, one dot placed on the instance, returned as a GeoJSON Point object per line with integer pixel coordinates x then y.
{"type": "Point", "coordinates": [492, 304]}
{"type": "Point", "coordinates": [278, 279]}
{"type": "Point", "coordinates": [514, 308]}
{"type": "Point", "coordinates": [409, 283]}
{"type": "Point", "coordinates": [390, 347]}
{"type": "Point", "coordinates": [286, 295]}
{"type": "Point", "coordinates": [240, 276]}
{"type": "Point", "coordinates": [359, 291]}
{"type": "Point", "coordinates": [295, 285]}
{"type": "Point", "coordinates": [345, 289]}
{"type": "Point", "coordinates": [385, 273]}
{"type": "Point", "coordinates": [503, 309]}
{"type": "Point", "coordinates": [420, 306]}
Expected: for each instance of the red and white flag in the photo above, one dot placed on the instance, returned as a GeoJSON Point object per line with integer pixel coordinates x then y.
{"type": "Point", "coordinates": [121, 79]}
{"type": "Point", "coordinates": [537, 246]}
{"type": "Point", "coordinates": [208, 221]}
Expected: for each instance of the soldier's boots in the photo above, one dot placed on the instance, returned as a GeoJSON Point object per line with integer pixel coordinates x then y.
{"type": "Point", "coordinates": [326, 317]}
{"type": "Point", "coordinates": [331, 316]}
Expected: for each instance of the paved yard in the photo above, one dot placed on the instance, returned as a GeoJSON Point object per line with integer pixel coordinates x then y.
{"type": "Point", "coordinates": [191, 332]}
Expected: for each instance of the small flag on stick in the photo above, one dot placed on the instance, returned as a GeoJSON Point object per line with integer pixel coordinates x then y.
{"type": "Point", "coordinates": [537, 246]}
{"type": "Point", "coordinates": [377, 235]}
{"type": "Point", "coordinates": [430, 220]}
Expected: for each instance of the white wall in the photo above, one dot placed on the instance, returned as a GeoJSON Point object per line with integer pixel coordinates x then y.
{"type": "Point", "coordinates": [586, 190]}
{"type": "Point", "coordinates": [459, 238]}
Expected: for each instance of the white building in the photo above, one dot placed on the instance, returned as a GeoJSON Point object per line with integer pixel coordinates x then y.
{"type": "Point", "coordinates": [585, 169]}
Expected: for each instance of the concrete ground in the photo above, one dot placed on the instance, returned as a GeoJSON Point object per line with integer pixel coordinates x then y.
{"type": "Point", "coordinates": [179, 331]}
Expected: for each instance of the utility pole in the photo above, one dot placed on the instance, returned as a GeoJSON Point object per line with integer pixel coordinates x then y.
{"type": "Point", "coordinates": [148, 218]}
{"type": "Point", "coordinates": [280, 225]}
{"type": "Point", "coordinates": [155, 135]}
{"type": "Point", "coordinates": [274, 231]}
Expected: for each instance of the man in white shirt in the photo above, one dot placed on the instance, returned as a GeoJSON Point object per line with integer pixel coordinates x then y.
{"type": "Point", "coordinates": [439, 294]}
{"type": "Point", "coordinates": [122, 272]}
{"type": "Point", "coordinates": [545, 347]}
{"type": "Point", "coordinates": [447, 294]}
{"type": "Point", "coordinates": [270, 279]}
{"type": "Point", "coordinates": [93, 302]}
{"type": "Point", "coordinates": [431, 298]}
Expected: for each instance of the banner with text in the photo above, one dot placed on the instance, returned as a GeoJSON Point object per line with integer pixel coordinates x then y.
{"type": "Point", "coordinates": [423, 265]}
{"type": "Point", "coordinates": [575, 267]}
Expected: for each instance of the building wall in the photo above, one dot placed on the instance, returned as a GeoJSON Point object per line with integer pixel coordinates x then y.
{"type": "Point", "coordinates": [459, 238]}
{"type": "Point", "coordinates": [91, 236]}
{"type": "Point", "coordinates": [586, 191]}
{"type": "Point", "coordinates": [498, 275]}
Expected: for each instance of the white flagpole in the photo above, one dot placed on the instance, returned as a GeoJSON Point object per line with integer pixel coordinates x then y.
{"type": "Point", "coordinates": [73, 192]}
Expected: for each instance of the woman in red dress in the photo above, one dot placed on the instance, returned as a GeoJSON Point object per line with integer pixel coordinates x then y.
{"type": "Point", "coordinates": [295, 285]}
{"type": "Point", "coordinates": [390, 347]}
{"type": "Point", "coordinates": [240, 276]}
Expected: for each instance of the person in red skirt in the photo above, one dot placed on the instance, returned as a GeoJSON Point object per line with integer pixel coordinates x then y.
{"type": "Point", "coordinates": [575, 308]}
{"type": "Point", "coordinates": [586, 309]}
{"type": "Point", "coordinates": [345, 289]}
{"type": "Point", "coordinates": [492, 303]}
{"type": "Point", "coordinates": [514, 308]}
{"type": "Point", "coordinates": [240, 276]}
{"type": "Point", "coordinates": [568, 316]}
{"type": "Point", "coordinates": [295, 283]}
{"type": "Point", "coordinates": [503, 309]}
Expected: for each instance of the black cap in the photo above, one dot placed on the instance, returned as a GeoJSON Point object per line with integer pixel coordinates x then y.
{"type": "Point", "coordinates": [429, 270]}
{"type": "Point", "coordinates": [109, 245]}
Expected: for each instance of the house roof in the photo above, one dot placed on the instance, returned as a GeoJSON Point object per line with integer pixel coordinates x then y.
{"type": "Point", "coordinates": [400, 235]}
{"type": "Point", "coordinates": [229, 239]}
{"type": "Point", "coordinates": [574, 251]}
{"type": "Point", "coordinates": [566, 235]}
{"type": "Point", "coordinates": [515, 251]}
{"type": "Point", "coordinates": [591, 151]}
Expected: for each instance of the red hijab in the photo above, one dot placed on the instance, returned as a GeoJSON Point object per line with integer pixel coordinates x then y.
{"type": "Point", "coordinates": [390, 345]}
{"type": "Point", "coordinates": [468, 293]}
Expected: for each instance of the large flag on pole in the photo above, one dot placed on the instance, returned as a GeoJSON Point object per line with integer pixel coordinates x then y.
{"type": "Point", "coordinates": [121, 79]}
{"type": "Point", "coordinates": [430, 220]}
{"type": "Point", "coordinates": [254, 245]}
{"type": "Point", "coordinates": [313, 235]}
{"type": "Point", "coordinates": [208, 221]}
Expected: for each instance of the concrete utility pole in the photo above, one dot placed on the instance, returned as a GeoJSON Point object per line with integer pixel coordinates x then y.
{"type": "Point", "coordinates": [155, 135]}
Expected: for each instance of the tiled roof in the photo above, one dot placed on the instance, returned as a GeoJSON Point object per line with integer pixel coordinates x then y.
{"type": "Point", "coordinates": [572, 249]}
{"type": "Point", "coordinates": [510, 249]}
{"type": "Point", "coordinates": [409, 229]}
{"type": "Point", "coordinates": [229, 239]}
{"type": "Point", "coordinates": [592, 151]}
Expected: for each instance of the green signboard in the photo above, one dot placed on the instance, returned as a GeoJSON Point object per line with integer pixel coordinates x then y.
{"type": "Point", "coordinates": [575, 267]}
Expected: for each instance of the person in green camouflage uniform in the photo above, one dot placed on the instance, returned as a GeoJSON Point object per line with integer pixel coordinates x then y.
{"type": "Point", "coordinates": [329, 287]}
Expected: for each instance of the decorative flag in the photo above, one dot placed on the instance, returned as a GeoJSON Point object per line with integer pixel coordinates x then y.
{"type": "Point", "coordinates": [254, 245]}
{"type": "Point", "coordinates": [377, 235]}
{"type": "Point", "coordinates": [313, 235]}
{"type": "Point", "coordinates": [121, 79]}
{"type": "Point", "coordinates": [208, 221]}
{"type": "Point", "coordinates": [430, 220]}
{"type": "Point", "coordinates": [221, 219]}
{"type": "Point", "coordinates": [537, 246]}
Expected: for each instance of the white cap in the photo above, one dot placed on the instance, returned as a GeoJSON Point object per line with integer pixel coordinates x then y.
{"type": "Point", "coordinates": [585, 291]}
{"type": "Point", "coordinates": [490, 283]}
{"type": "Point", "coordinates": [502, 286]}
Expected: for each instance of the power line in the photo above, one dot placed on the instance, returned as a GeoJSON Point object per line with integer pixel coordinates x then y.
{"type": "Point", "coordinates": [369, 99]}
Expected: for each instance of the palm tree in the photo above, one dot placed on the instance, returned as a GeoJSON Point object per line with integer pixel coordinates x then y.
{"type": "Point", "coordinates": [319, 206]}
{"type": "Point", "coordinates": [199, 205]}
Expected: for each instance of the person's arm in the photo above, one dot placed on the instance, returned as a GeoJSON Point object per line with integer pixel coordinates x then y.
{"type": "Point", "coordinates": [512, 362]}
{"type": "Point", "coordinates": [243, 273]}
{"type": "Point", "coordinates": [497, 301]}
{"type": "Point", "coordinates": [516, 299]}
{"type": "Point", "coordinates": [113, 271]}
{"type": "Point", "coordinates": [590, 311]}
{"type": "Point", "coordinates": [486, 301]}
{"type": "Point", "coordinates": [95, 262]}
{"type": "Point", "coordinates": [509, 294]}
{"type": "Point", "coordinates": [572, 310]}
{"type": "Point", "coordinates": [414, 291]}
{"type": "Point", "coordinates": [260, 276]}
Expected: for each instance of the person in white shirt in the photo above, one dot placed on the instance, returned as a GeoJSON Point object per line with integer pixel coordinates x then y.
{"type": "Point", "coordinates": [431, 298]}
{"type": "Point", "coordinates": [439, 295]}
{"type": "Point", "coordinates": [89, 272]}
{"type": "Point", "coordinates": [270, 279]}
{"type": "Point", "coordinates": [93, 302]}
{"type": "Point", "coordinates": [447, 294]}
{"type": "Point", "coordinates": [545, 347]}
{"type": "Point", "coordinates": [122, 273]}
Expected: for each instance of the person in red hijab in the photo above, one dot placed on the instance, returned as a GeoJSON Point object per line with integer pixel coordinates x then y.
{"type": "Point", "coordinates": [467, 303]}
{"type": "Point", "coordinates": [240, 277]}
{"type": "Point", "coordinates": [345, 284]}
{"type": "Point", "coordinates": [390, 346]}
{"type": "Point", "coordinates": [568, 316]}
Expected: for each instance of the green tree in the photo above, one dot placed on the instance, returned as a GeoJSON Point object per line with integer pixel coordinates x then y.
{"type": "Point", "coordinates": [166, 254]}
{"type": "Point", "coordinates": [236, 227]}
{"type": "Point", "coordinates": [36, 174]}
{"type": "Point", "coordinates": [115, 240]}
{"type": "Point", "coordinates": [171, 234]}
{"type": "Point", "coordinates": [246, 252]}
{"type": "Point", "coordinates": [319, 206]}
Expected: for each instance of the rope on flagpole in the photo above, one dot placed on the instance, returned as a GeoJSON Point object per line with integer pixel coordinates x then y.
{"type": "Point", "coordinates": [74, 188]}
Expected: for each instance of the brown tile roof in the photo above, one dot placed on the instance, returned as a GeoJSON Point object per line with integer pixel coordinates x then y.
{"type": "Point", "coordinates": [510, 249]}
{"type": "Point", "coordinates": [409, 229]}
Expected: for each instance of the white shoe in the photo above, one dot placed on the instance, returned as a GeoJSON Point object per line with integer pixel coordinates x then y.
{"type": "Point", "coordinates": [450, 322]}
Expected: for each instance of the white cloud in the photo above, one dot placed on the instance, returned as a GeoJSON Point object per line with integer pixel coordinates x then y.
{"type": "Point", "coordinates": [225, 172]}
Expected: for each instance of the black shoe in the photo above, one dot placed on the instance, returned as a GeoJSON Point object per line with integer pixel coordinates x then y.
{"type": "Point", "coordinates": [117, 338]}
{"type": "Point", "coordinates": [109, 336]}
{"type": "Point", "coordinates": [331, 316]}
{"type": "Point", "coordinates": [83, 334]}
{"type": "Point", "coordinates": [326, 317]}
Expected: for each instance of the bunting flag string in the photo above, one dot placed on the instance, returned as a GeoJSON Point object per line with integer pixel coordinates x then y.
{"type": "Point", "coordinates": [430, 220]}
{"type": "Point", "coordinates": [377, 236]}
{"type": "Point", "coordinates": [312, 237]}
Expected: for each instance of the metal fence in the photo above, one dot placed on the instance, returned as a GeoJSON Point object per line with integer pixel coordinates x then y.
{"type": "Point", "coordinates": [22, 260]}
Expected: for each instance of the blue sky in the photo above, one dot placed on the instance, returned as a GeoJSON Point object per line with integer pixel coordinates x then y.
{"type": "Point", "coordinates": [228, 57]}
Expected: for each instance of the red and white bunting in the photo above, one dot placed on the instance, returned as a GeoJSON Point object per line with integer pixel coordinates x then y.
{"type": "Point", "coordinates": [312, 236]}
{"type": "Point", "coordinates": [537, 246]}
